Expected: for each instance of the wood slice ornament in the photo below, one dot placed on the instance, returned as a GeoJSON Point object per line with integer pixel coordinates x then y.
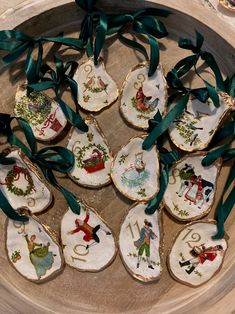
{"type": "Point", "coordinates": [191, 190]}
{"type": "Point", "coordinates": [22, 184]}
{"type": "Point", "coordinates": [88, 243]}
{"type": "Point", "coordinates": [140, 243]}
{"type": "Point", "coordinates": [135, 172]}
{"type": "Point", "coordinates": [32, 250]}
{"type": "Point", "coordinates": [142, 96]}
{"type": "Point", "coordinates": [195, 127]}
{"type": "Point", "coordinates": [97, 89]}
{"type": "Point", "coordinates": [93, 157]}
{"type": "Point", "coordinates": [195, 257]}
{"type": "Point", "coordinates": [43, 114]}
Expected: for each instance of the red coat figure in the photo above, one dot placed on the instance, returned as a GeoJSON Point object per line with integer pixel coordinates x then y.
{"type": "Point", "coordinates": [88, 230]}
{"type": "Point", "coordinates": [201, 254]}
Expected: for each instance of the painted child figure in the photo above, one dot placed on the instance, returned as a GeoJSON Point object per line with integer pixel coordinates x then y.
{"type": "Point", "coordinates": [89, 231]}
{"type": "Point", "coordinates": [201, 254]}
{"type": "Point", "coordinates": [143, 243]}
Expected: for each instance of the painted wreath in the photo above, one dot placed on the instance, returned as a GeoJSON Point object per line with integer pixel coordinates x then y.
{"type": "Point", "coordinates": [13, 175]}
{"type": "Point", "coordinates": [34, 108]}
{"type": "Point", "coordinates": [79, 152]}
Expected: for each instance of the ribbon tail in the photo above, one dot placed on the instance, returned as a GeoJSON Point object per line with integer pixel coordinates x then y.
{"type": "Point", "coordinates": [164, 124]}
{"type": "Point", "coordinates": [9, 211]}
{"type": "Point", "coordinates": [74, 118]}
{"type": "Point", "coordinates": [154, 204]}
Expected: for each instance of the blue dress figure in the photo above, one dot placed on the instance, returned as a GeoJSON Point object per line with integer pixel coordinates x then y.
{"type": "Point", "coordinates": [135, 175]}
{"type": "Point", "coordinates": [39, 255]}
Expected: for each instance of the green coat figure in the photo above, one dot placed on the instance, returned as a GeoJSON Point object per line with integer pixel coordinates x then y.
{"type": "Point", "coordinates": [143, 243]}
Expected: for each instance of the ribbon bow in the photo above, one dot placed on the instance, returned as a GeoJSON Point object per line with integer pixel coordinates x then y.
{"type": "Point", "coordinates": [62, 75]}
{"type": "Point", "coordinates": [143, 23]}
{"type": "Point", "coordinates": [17, 43]}
{"type": "Point", "coordinates": [184, 65]}
{"type": "Point", "coordinates": [49, 159]}
{"type": "Point", "coordinates": [94, 19]}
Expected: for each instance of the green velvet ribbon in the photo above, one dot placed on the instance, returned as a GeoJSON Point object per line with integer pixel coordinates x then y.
{"type": "Point", "coordinates": [167, 158]}
{"type": "Point", "coordinates": [94, 20]}
{"type": "Point", "coordinates": [183, 94]}
{"type": "Point", "coordinates": [143, 23]}
{"type": "Point", "coordinates": [17, 43]}
{"type": "Point", "coordinates": [63, 75]}
{"type": "Point", "coordinates": [49, 159]}
{"type": "Point", "coordinates": [187, 63]}
{"type": "Point", "coordinates": [224, 151]}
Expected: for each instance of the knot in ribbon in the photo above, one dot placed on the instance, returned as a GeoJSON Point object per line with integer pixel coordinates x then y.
{"type": "Point", "coordinates": [93, 20]}
{"type": "Point", "coordinates": [143, 23]}
{"type": "Point", "coordinates": [17, 43]}
{"type": "Point", "coordinates": [184, 65]}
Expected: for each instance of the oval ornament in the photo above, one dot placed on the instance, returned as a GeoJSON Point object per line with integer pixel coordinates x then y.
{"type": "Point", "coordinates": [135, 172]}
{"type": "Point", "coordinates": [32, 250]}
{"type": "Point", "coordinates": [88, 243]}
{"type": "Point", "coordinates": [43, 114]}
{"type": "Point", "coordinates": [194, 257]}
{"type": "Point", "coordinates": [93, 157]}
{"type": "Point", "coordinates": [195, 127]}
{"type": "Point", "coordinates": [97, 89]}
{"type": "Point", "coordinates": [22, 184]}
{"type": "Point", "coordinates": [143, 96]}
{"type": "Point", "coordinates": [140, 243]}
{"type": "Point", "coordinates": [191, 190]}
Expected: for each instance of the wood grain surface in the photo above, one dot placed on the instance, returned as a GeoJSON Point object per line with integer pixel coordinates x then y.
{"type": "Point", "coordinates": [113, 290]}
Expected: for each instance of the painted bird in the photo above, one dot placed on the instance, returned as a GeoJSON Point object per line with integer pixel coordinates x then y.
{"type": "Point", "coordinates": [90, 83]}
{"type": "Point", "coordinates": [101, 84]}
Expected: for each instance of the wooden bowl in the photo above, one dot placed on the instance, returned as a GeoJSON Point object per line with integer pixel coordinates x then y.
{"type": "Point", "coordinates": [113, 290]}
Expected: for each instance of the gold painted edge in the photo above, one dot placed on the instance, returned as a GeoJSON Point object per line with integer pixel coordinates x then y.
{"type": "Point", "coordinates": [52, 100]}
{"type": "Point", "coordinates": [101, 61]}
{"type": "Point", "coordinates": [36, 172]}
{"type": "Point", "coordinates": [82, 202]}
{"type": "Point", "coordinates": [203, 146]}
{"type": "Point", "coordinates": [91, 120]}
{"type": "Point", "coordinates": [218, 165]}
{"type": "Point", "coordinates": [49, 232]}
{"type": "Point", "coordinates": [209, 221]}
{"type": "Point", "coordinates": [161, 244]}
{"type": "Point", "coordinates": [157, 174]}
{"type": "Point", "coordinates": [225, 4]}
{"type": "Point", "coordinates": [136, 67]}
